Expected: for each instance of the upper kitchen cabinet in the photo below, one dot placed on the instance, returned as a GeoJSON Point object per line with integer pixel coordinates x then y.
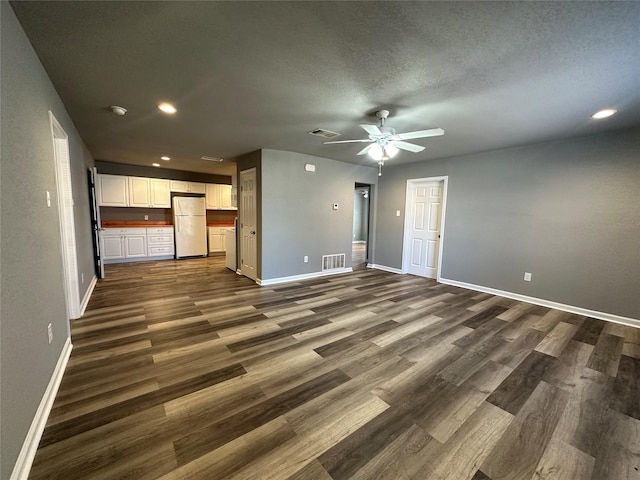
{"type": "Point", "coordinates": [187, 187]}
{"type": "Point", "coordinates": [149, 192]}
{"type": "Point", "coordinates": [113, 191]}
{"type": "Point", "coordinates": [139, 192]}
{"type": "Point", "coordinates": [219, 197]}
{"type": "Point", "coordinates": [122, 191]}
{"type": "Point", "coordinates": [160, 193]}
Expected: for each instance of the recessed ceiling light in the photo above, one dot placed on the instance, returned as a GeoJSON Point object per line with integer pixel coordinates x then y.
{"type": "Point", "coordinates": [155, 164]}
{"type": "Point", "coordinates": [167, 108]}
{"type": "Point", "coordinates": [165, 158]}
{"type": "Point", "coordinates": [607, 112]}
{"type": "Point", "coordinates": [118, 110]}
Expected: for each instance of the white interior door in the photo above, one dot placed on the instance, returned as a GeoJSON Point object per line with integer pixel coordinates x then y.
{"type": "Point", "coordinates": [425, 215]}
{"type": "Point", "coordinates": [248, 224]}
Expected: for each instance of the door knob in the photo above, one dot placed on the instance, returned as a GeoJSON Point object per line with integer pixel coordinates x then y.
{"type": "Point", "coordinates": [252, 232]}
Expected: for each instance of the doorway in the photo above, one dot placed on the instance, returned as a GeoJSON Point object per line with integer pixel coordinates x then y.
{"type": "Point", "coordinates": [92, 176]}
{"type": "Point", "coordinates": [248, 224]}
{"type": "Point", "coordinates": [360, 235]}
{"type": "Point", "coordinates": [65, 216]}
{"type": "Point", "coordinates": [424, 226]}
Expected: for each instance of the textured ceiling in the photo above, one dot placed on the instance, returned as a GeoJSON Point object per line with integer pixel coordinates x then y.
{"type": "Point", "coordinates": [250, 75]}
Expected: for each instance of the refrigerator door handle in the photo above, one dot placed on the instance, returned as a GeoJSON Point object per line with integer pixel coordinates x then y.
{"type": "Point", "coordinates": [177, 224]}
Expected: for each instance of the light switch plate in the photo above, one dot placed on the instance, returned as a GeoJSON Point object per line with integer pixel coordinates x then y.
{"type": "Point", "coordinates": [48, 199]}
{"type": "Point", "coordinates": [527, 277]}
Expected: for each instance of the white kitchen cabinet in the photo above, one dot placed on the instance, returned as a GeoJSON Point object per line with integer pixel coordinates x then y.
{"type": "Point", "coordinates": [123, 243]}
{"type": "Point", "coordinates": [187, 187]}
{"type": "Point", "coordinates": [139, 192]}
{"type": "Point", "coordinates": [212, 196]}
{"type": "Point", "coordinates": [113, 191]}
{"type": "Point", "coordinates": [112, 247]}
{"type": "Point", "coordinates": [160, 193]}
{"type": "Point", "coordinates": [135, 245]}
{"type": "Point", "coordinates": [225, 197]}
{"type": "Point", "coordinates": [217, 239]}
{"type": "Point", "coordinates": [149, 192]}
{"type": "Point", "coordinates": [160, 241]}
{"type": "Point", "coordinates": [219, 197]}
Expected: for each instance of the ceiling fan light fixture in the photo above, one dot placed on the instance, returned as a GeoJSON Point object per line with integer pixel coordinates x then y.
{"type": "Point", "coordinates": [376, 152]}
{"type": "Point", "coordinates": [391, 150]}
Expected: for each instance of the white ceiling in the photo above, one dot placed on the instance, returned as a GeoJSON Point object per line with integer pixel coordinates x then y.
{"type": "Point", "coordinates": [250, 75]}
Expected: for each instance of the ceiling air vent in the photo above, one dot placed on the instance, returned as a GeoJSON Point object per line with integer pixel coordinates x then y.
{"type": "Point", "coordinates": [211, 159]}
{"type": "Point", "coordinates": [321, 132]}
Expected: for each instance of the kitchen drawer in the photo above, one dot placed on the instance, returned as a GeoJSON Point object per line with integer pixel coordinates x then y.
{"type": "Point", "coordinates": [161, 250]}
{"type": "Point", "coordinates": [153, 238]}
{"type": "Point", "coordinates": [160, 230]}
{"type": "Point", "coordinates": [124, 231]}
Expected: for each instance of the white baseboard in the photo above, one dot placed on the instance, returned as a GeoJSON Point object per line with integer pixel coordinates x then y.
{"type": "Point", "coordinates": [384, 267]}
{"type": "Point", "coordinates": [610, 317]}
{"type": "Point", "coordinates": [305, 276]}
{"type": "Point", "coordinates": [87, 295]}
{"type": "Point", "coordinates": [28, 452]}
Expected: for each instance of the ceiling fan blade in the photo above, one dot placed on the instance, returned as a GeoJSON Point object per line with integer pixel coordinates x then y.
{"type": "Point", "coordinates": [349, 141]}
{"type": "Point", "coordinates": [433, 132]}
{"type": "Point", "coordinates": [410, 147]}
{"type": "Point", "coordinates": [365, 150]}
{"type": "Point", "coordinates": [371, 129]}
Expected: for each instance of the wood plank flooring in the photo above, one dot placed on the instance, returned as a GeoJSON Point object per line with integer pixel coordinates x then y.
{"type": "Point", "coordinates": [185, 370]}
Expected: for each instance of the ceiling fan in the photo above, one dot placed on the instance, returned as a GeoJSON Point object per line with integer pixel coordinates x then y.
{"type": "Point", "coordinates": [385, 142]}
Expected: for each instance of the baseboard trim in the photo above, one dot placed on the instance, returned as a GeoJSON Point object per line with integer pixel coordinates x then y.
{"type": "Point", "coordinates": [305, 276]}
{"type": "Point", "coordinates": [87, 295]}
{"type": "Point", "coordinates": [384, 268]}
{"type": "Point", "coordinates": [28, 452]}
{"type": "Point", "coordinates": [610, 317]}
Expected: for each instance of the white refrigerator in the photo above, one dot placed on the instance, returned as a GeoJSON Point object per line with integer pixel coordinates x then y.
{"type": "Point", "coordinates": [190, 226]}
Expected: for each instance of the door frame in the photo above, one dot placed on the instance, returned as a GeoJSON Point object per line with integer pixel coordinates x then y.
{"type": "Point", "coordinates": [62, 166]}
{"type": "Point", "coordinates": [242, 213]}
{"type": "Point", "coordinates": [411, 183]}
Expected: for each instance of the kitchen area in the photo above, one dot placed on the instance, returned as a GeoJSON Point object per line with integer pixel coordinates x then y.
{"type": "Point", "coordinates": [141, 218]}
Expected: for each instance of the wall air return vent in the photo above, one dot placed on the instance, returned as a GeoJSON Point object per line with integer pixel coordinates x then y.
{"type": "Point", "coordinates": [333, 262]}
{"type": "Point", "coordinates": [321, 132]}
{"type": "Point", "coordinates": [211, 159]}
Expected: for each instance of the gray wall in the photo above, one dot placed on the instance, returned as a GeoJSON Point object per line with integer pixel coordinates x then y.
{"type": "Point", "coordinates": [31, 276]}
{"type": "Point", "coordinates": [566, 211]}
{"type": "Point", "coordinates": [297, 214]}
{"type": "Point", "coordinates": [112, 168]}
{"type": "Point", "coordinates": [252, 160]}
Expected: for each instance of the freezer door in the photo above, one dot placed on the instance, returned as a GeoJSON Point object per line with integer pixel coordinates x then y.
{"type": "Point", "coordinates": [191, 236]}
{"type": "Point", "coordinates": [189, 206]}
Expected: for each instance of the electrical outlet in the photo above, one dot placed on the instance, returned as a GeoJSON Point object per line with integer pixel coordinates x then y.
{"type": "Point", "coordinates": [306, 259]}
{"type": "Point", "coordinates": [335, 206]}
{"type": "Point", "coordinates": [48, 199]}
{"type": "Point", "coordinates": [146, 217]}
{"type": "Point", "coordinates": [50, 333]}
{"type": "Point", "coordinates": [397, 213]}
{"type": "Point", "coordinates": [527, 277]}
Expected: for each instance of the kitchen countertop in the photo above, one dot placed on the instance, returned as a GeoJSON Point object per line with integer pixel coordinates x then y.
{"type": "Point", "coordinates": [221, 224]}
{"type": "Point", "coordinates": [133, 224]}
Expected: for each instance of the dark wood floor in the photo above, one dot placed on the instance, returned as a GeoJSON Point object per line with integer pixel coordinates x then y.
{"type": "Point", "coordinates": [185, 370]}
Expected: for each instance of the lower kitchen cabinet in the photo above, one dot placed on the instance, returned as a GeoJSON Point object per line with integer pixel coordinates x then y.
{"type": "Point", "coordinates": [123, 243]}
{"type": "Point", "coordinates": [160, 241]}
{"type": "Point", "coordinates": [217, 239]}
{"type": "Point", "coordinates": [136, 244]}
